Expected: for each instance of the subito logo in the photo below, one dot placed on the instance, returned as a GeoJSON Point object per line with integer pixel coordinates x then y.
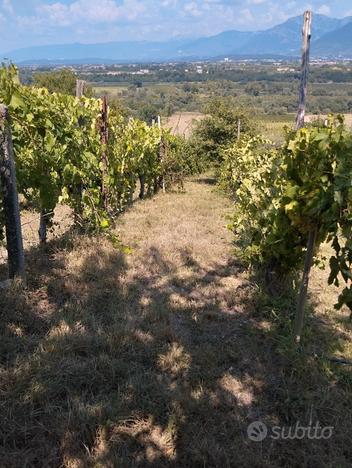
{"type": "Point", "coordinates": [257, 431]}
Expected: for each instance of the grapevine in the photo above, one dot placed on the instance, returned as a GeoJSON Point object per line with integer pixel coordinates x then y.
{"type": "Point", "coordinates": [281, 194]}
{"type": "Point", "coordinates": [58, 152]}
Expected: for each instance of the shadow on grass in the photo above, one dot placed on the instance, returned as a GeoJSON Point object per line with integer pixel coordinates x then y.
{"type": "Point", "coordinates": [207, 180]}
{"type": "Point", "coordinates": [104, 366]}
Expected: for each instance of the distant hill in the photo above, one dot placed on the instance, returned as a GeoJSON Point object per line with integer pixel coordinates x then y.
{"type": "Point", "coordinates": [110, 51]}
{"type": "Point", "coordinates": [330, 37]}
{"type": "Point", "coordinates": [336, 43]}
{"type": "Point", "coordinates": [286, 39]}
{"type": "Point", "coordinates": [225, 43]}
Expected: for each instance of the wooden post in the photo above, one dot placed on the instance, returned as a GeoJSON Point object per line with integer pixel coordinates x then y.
{"type": "Point", "coordinates": [302, 298]}
{"type": "Point", "coordinates": [239, 129]}
{"type": "Point", "coordinates": [80, 88]}
{"type": "Point", "coordinates": [162, 153]}
{"type": "Point", "coordinates": [307, 26]}
{"type": "Point", "coordinates": [142, 186]}
{"type": "Point", "coordinates": [104, 131]}
{"type": "Point", "coordinates": [77, 187]}
{"type": "Point", "coordinates": [42, 231]}
{"type": "Point", "coordinates": [45, 218]}
{"type": "Point", "coordinates": [9, 194]}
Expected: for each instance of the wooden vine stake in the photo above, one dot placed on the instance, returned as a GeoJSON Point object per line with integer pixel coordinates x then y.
{"type": "Point", "coordinates": [239, 129]}
{"type": "Point", "coordinates": [162, 153]}
{"type": "Point", "coordinates": [104, 132]}
{"type": "Point", "coordinates": [307, 27]}
{"type": "Point", "coordinates": [302, 298]}
{"type": "Point", "coordinates": [9, 194]}
{"type": "Point", "coordinates": [78, 187]}
{"type": "Point", "coordinates": [80, 88]}
{"type": "Point", "coordinates": [43, 226]}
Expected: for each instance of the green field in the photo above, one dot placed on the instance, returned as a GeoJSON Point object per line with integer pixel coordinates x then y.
{"type": "Point", "coordinates": [115, 90]}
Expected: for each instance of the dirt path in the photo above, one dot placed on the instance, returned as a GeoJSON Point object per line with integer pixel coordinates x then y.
{"type": "Point", "coordinates": [157, 357]}
{"type": "Point", "coordinates": [176, 243]}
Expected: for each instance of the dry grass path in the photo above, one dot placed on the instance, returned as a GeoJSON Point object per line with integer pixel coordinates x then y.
{"type": "Point", "coordinates": [160, 357]}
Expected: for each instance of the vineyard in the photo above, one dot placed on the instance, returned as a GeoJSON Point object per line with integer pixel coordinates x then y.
{"type": "Point", "coordinates": [284, 194]}
{"type": "Point", "coordinates": [204, 285]}
{"type": "Point", "coordinates": [66, 153]}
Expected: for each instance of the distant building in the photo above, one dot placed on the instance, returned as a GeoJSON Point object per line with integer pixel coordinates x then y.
{"type": "Point", "coordinates": [285, 69]}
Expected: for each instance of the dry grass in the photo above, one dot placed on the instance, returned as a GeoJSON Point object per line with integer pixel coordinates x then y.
{"type": "Point", "coordinates": [113, 91]}
{"type": "Point", "coordinates": [61, 223]}
{"type": "Point", "coordinates": [182, 123]}
{"type": "Point", "coordinates": [314, 117]}
{"type": "Point", "coordinates": [164, 356]}
{"type": "Point", "coordinates": [273, 127]}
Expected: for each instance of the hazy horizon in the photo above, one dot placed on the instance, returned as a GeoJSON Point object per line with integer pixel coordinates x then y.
{"type": "Point", "coordinates": [48, 22]}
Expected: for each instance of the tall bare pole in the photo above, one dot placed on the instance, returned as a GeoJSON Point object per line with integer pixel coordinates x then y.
{"type": "Point", "coordinates": [8, 187]}
{"type": "Point", "coordinates": [302, 298]}
{"type": "Point", "coordinates": [307, 34]}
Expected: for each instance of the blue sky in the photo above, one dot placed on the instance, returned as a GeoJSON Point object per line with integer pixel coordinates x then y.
{"type": "Point", "coordinates": [36, 22]}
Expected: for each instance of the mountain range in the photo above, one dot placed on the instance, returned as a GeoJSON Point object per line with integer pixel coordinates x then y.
{"type": "Point", "coordinates": [331, 37]}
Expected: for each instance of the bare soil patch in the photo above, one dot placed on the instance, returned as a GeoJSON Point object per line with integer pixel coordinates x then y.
{"type": "Point", "coordinates": [182, 123]}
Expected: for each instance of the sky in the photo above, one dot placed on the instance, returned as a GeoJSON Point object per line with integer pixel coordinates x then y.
{"type": "Point", "coordinates": [38, 22]}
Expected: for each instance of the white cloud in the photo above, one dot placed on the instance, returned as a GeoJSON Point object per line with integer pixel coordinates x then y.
{"type": "Point", "coordinates": [324, 10]}
{"type": "Point", "coordinates": [7, 7]}
{"type": "Point", "coordinates": [91, 11]}
{"type": "Point", "coordinates": [246, 16]}
{"type": "Point", "coordinates": [192, 9]}
{"type": "Point", "coordinates": [55, 21]}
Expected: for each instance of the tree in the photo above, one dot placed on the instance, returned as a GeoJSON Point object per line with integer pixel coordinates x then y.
{"type": "Point", "coordinates": [57, 81]}
{"type": "Point", "coordinates": [254, 89]}
{"type": "Point", "coordinates": [219, 129]}
{"type": "Point", "coordinates": [148, 112]}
